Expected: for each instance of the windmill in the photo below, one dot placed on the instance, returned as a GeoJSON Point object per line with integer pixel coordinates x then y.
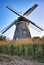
{"type": "Point", "coordinates": [22, 29]}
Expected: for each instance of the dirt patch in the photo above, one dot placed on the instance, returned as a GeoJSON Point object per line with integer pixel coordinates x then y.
{"type": "Point", "coordinates": [15, 60]}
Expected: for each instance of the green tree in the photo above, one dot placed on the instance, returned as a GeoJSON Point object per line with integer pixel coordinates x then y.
{"type": "Point", "coordinates": [2, 37]}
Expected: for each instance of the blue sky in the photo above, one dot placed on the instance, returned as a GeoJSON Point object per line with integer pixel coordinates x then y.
{"type": "Point", "coordinates": [6, 16]}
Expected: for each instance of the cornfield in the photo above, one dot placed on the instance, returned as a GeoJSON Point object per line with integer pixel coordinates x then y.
{"type": "Point", "coordinates": [26, 48]}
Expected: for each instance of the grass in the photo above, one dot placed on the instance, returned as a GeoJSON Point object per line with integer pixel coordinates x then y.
{"type": "Point", "coordinates": [4, 57]}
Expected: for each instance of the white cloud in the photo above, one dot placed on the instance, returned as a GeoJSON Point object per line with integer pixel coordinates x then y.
{"type": "Point", "coordinates": [42, 34]}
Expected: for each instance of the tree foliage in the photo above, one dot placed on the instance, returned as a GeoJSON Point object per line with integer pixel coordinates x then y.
{"type": "Point", "coordinates": [2, 37]}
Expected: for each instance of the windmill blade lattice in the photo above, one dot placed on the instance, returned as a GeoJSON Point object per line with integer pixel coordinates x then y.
{"type": "Point", "coordinates": [36, 25]}
{"type": "Point", "coordinates": [30, 10]}
{"type": "Point", "coordinates": [13, 10]}
{"type": "Point", "coordinates": [9, 26]}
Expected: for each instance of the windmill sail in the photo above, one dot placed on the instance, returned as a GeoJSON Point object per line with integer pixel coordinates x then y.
{"type": "Point", "coordinates": [13, 10]}
{"type": "Point", "coordinates": [36, 25]}
{"type": "Point", "coordinates": [9, 26]}
{"type": "Point", "coordinates": [30, 10]}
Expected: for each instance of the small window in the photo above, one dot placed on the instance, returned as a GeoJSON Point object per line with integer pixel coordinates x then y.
{"type": "Point", "coordinates": [24, 32]}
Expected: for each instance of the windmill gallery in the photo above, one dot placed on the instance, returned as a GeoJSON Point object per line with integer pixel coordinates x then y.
{"type": "Point", "coordinates": [22, 23]}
